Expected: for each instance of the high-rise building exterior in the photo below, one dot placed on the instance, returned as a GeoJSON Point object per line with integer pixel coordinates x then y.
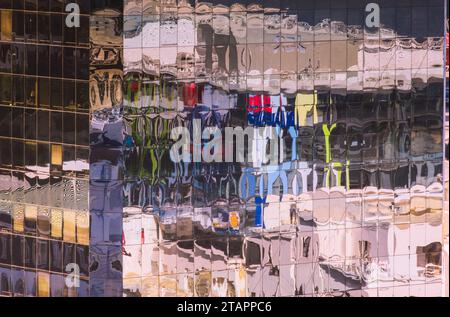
{"type": "Point", "coordinates": [44, 148]}
{"type": "Point", "coordinates": [223, 148]}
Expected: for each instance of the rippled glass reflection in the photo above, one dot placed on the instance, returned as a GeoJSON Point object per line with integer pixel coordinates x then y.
{"type": "Point", "coordinates": [353, 204]}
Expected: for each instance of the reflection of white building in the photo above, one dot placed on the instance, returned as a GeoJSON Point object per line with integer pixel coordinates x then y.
{"type": "Point", "coordinates": [157, 41]}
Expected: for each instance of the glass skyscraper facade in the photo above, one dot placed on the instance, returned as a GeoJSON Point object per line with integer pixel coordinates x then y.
{"type": "Point", "coordinates": [44, 148]}
{"type": "Point", "coordinates": [349, 108]}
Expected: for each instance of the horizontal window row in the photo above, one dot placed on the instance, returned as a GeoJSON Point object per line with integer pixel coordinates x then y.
{"type": "Point", "coordinates": [304, 25]}
{"type": "Point", "coordinates": [256, 284]}
{"type": "Point", "coordinates": [45, 5]}
{"type": "Point", "coordinates": [30, 124]}
{"type": "Point", "coordinates": [43, 60]}
{"type": "Point", "coordinates": [56, 191]}
{"type": "Point", "coordinates": [18, 282]}
{"type": "Point", "coordinates": [157, 6]}
{"type": "Point", "coordinates": [286, 181]}
{"type": "Point", "coordinates": [184, 95]}
{"type": "Point", "coordinates": [42, 254]}
{"type": "Point", "coordinates": [303, 58]}
{"type": "Point", "coordinates": [44, 158]}
{"type": "Point", "coordinates": [189, 256]}
{"type": "Point", "coordinates": [54, 93]}
{"type": "Point", "coordinates": [33, 27]}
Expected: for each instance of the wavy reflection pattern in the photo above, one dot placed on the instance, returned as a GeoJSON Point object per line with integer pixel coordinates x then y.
{"type": "Point", "coordinates": [353, 204]}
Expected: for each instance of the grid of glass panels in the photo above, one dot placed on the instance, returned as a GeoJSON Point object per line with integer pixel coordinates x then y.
{"type": "Point", "coordinates": [352, 207]}
{"type": "Point", "coordinates": [44, 147]}
{"type": "Point", "coordinates": [106, 139]}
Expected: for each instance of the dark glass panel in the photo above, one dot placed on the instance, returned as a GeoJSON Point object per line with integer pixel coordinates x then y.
{"type": "Point", "coordinates": [43, 125]}
{"type": "Point", "coordinates": [56, 28]}
{"type": "Point", "coordinates": [30, 252]}
{"type": "Point", "coordinates": [82, 129]}
{"type": "Point", "coordinates": [42, 254]}
{"type": "Point", "coordinates": [43, 27]}
{"type": "Point", "coordinates": [69, 128]}
{"type": "Point", "coordinates": [5, 121]}
{"type": "Point", "coordinates": [56, 126]}
{"type": "Point", "coordinates": [56, 94]}
{"type": "Point", "coordinates": [30, 27]}
{"type": "Point", "coordinates": [56, 256]}
{"type": "Point", "coordinates": [44, 93]}
{"type": "Point", "coordinates": [30, 124]}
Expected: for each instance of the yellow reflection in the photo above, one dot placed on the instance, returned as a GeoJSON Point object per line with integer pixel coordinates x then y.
{"type": "Point", "coordinates": [69, 225]}
{"type": "Point", "coordinates": [18, 218]}
{"type": "Point", "coordinates": [43, 284]}
{"type": "Point", "coordinates": [6, 25]}
{"type": "Point", "coordinates": [56, 223]}
{"type": "Point", "coordinates": [56, 154]}
{"type": "Point", "coordinates": [82, 227]}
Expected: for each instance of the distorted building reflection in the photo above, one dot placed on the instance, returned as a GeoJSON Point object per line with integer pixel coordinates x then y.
{"type": "Point", "coordinates": [353, 206]}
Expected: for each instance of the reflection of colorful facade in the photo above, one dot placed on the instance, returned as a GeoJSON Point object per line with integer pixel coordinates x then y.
{"type": "Point", "coordinates": [353, 204]}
